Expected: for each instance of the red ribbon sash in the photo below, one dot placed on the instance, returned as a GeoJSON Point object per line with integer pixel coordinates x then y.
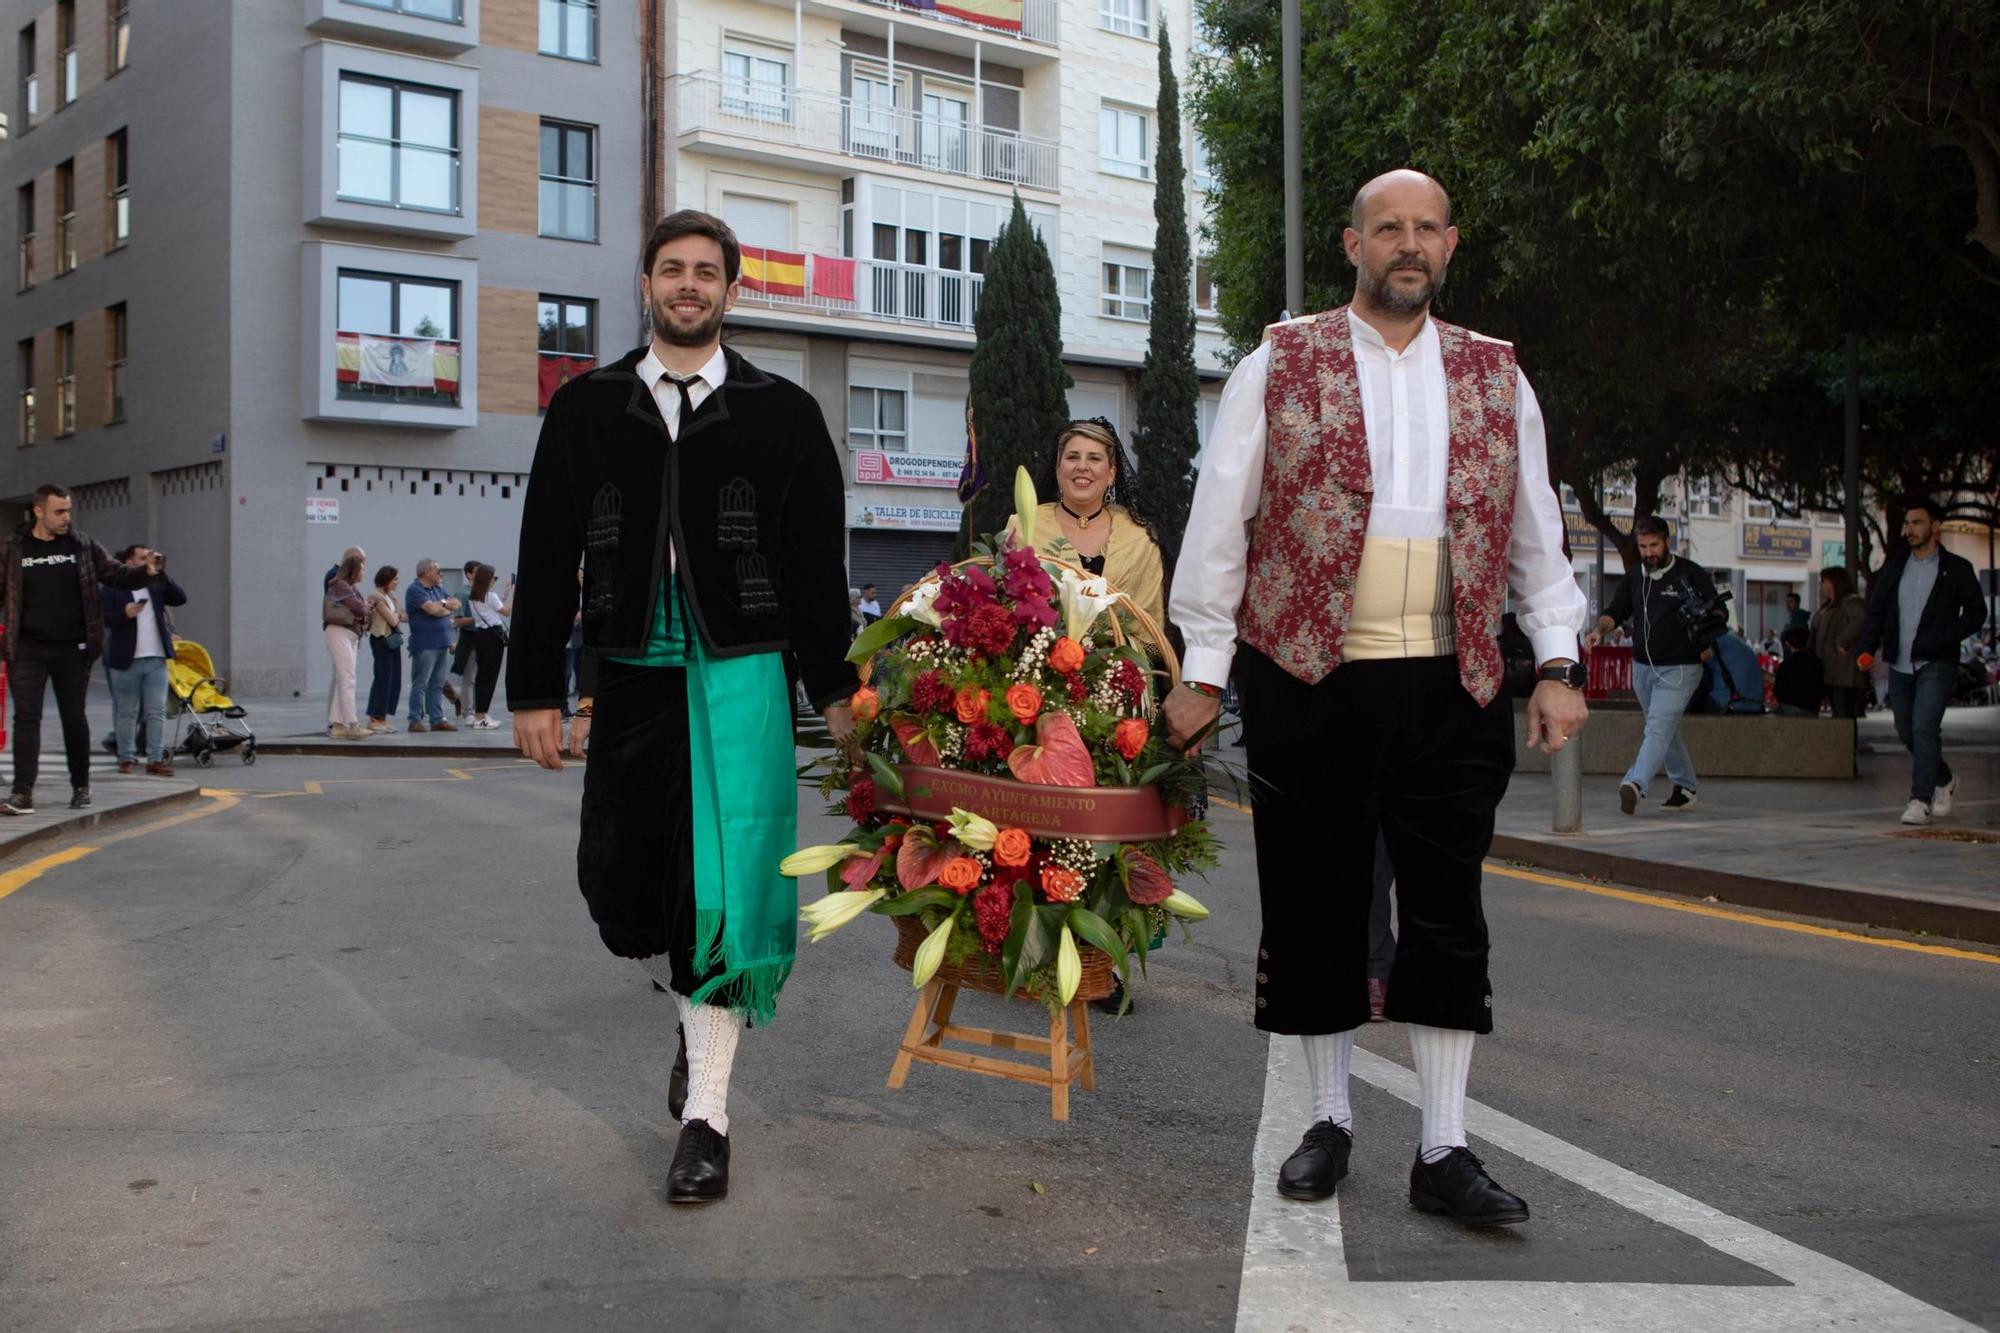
{"type": "Point", "coordinates": [1099, 814]}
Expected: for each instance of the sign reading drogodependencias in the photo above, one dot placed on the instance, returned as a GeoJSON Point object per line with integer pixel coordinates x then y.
{"type": "Point", "coordinates": [1777, 541]}
{"type": "Point", "coordinates": [886, 469]}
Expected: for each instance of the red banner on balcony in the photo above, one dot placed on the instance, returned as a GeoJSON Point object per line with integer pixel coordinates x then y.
{"type": "Point", "coordinates": [556, 371]}
{"type": "Point", "coordinates": [1002, 14]}
{"type": "Point", "coordinates": [347, 359]}
{"type": "Point", "coordinates": [833, 279]}
{"type": "Point", "coordinates": [773, 272]}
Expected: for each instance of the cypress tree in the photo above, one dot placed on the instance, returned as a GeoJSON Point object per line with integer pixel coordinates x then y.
{"type": "Point", "coordinates": [1019, 384]}
{"type": "Point", "coordinates": [1166, 440]}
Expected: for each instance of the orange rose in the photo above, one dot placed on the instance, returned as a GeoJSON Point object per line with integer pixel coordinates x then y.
{"type": "Point", "coordinates": [1025, 702]}
{"type": "Point", "coordinates": [1065, 655]}
{"type": "Point", "coordinates": [1061, 884]}
{"type": "Point", "coordinates": [866, 704]}
{"type": "Point", "coordinates": [1129, 737]}
{"type": "Point", "coordinates": [1012, 848]}
{"type": "Point", "coordinates": [970, 703]}
{"type": "Point", "coordinates": [961, 874]}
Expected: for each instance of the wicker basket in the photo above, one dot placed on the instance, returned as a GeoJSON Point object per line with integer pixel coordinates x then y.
{"type": "Point", "coordinates": [981, 971]}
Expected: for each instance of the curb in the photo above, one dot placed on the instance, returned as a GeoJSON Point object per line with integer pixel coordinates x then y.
{"type": "Point", "coordinates": [1854, 906]}
{"type": "Point", "coordinates": [76, 822]}
{"type": "Point", "coordinates": [376, 750]}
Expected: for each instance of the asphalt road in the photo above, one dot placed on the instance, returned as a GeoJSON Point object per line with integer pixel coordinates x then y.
{"type": "Point", "coordinates": [343, 1051]}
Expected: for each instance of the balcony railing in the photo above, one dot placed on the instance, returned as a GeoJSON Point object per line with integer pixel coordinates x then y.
{"type": "Point", "coordinates": [114, 391]}
{"type": "Point", "coordinates": [66, 243]}
{"type": "Point", "coordinates": [1040, 20]}
{"type": "Point", "coordinates": [27, 260]}
{"type": "Point", "coordinates": [66, 405]}
{"type": "Point", "coordinates": [827, 122]}
{"type": "Point", "coordinates": [426, 372]}
{"type": "Point", "coordinates": [897, 293]}
{"type": "Point", "coordinates": [27, 417]}
{"type": "Point", "coordinates": [120, 216]}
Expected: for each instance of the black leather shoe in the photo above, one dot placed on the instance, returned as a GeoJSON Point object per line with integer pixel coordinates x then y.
{"type": "Point", "coordinates": [1317, 1167]}
{"type": "Point", "coordinates": [1457, 1185]}
{"type": "Point", "coordinates": [677, 1082]}
{"type": "Point", "coordinates": [700, 1173]}
{"type": "Point", "coordinates": [1115, 1003]}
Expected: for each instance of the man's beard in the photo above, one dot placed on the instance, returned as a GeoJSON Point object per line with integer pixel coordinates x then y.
{"type": "Point", "coordinates": [1652, 561]}
{"type": "Point", "coordinates": [700, 335]}
{"type": "Point", "coordinates": [1383, 295]}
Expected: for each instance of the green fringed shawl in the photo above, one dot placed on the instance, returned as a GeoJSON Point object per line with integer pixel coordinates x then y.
{"type": "Point", "coordinates": [739, 725]}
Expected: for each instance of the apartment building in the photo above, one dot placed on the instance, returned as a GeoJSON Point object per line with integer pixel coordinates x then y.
{"type": "Point", "coordinates": [868, 151]}
{"type": "Point", "coordinates": [296, 275]}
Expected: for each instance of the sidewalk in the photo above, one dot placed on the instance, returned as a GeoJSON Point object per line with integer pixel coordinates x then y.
{"type": "Point", "coordinates": [1830, 849]}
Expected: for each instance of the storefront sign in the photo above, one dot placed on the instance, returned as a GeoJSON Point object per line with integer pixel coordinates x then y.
{"type": "Point", "coordinates": [903, 518]}
{"type": "Point", "coordinates": [1777, 541]}
{"type": "Point", "coordinates": [322, 509]}
{"type": "Point", "coordinates": [1582, 535]}
{"type": "Point", "coordinates": [886, 469]}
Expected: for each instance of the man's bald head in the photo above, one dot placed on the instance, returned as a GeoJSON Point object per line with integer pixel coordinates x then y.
{"type": "Point", "coordinates": [1400, 181]}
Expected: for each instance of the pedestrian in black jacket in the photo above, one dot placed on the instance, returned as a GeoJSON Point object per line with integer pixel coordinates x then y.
{"type": "Point", "coordinates": [139, 642]}
{"type": "Point", "coordinates": [1659, 600]}
{"type": "Point", "coordinates": [1925, 603]}
{"type": "Point", "coordinates": [53, 627]}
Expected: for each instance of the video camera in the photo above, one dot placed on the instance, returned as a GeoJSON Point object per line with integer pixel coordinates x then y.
{"type": "Point", "coordinates": [1706, 619]}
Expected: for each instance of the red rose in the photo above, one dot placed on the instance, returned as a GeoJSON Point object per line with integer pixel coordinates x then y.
{"type": "Point", "coordinates": [1065, 656]}
{"type": "Point", "coordinates": [866, 703]}
{"type": "Point", "coordinates": [1025, 702]}
{"type": "Point", "coordinates": [970, 703]}
{"type": "Point", "coordinates": [1012, 848]}
{"type": "Point", "coordinates": [1129, 737]}
{"type": "Point", "coordinates": [1061, 884]}
{"type": "Point", "coordinates": [961, 874]}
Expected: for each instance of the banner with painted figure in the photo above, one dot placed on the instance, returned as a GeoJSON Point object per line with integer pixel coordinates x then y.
{"type": "Point", "coordinates": [402, 363]}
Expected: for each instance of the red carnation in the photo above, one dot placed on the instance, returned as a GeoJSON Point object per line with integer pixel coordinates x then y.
{"type": "Point", "coordinates": [1078, 689]}
{"type": "Point", "coordinates": [988, 740]}
{"type": "Point", "coordinates": [861, 799]}
{"type": "Point", "coordinates": [988, 630]}
{"type": "Point", "coordinates": [993, 910]}
{"type": "Point", "coordinates": [1129, 678]}
{"type": "Point", "coordinates": [930, 694]}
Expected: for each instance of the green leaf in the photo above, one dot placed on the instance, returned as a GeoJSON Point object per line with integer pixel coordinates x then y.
{"type": "Point", "coordinates": [1095, 931]}
{"type": "Point", "coordinates": [879, 635]}
{"type": "Point", "coordinates": [885, 772]}
{"type": "Point", "coordinates": [917, 901]}
{"type": "Point", "coordinates": [1017, 936]}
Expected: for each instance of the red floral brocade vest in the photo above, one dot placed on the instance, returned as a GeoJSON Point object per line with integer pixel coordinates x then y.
{"type": "Point", "coordinates": [1312, 515]}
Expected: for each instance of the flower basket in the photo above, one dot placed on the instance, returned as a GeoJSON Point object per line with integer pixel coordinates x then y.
{"type": "Point", "coordinates": [981, 973]}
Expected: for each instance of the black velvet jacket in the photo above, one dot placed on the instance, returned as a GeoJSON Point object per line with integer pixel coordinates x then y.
{"type": "Point", "coordinates": [750, 495]}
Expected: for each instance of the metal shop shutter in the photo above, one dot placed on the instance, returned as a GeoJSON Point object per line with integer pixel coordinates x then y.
{"type": "Point", "coordinates": [892, 561]}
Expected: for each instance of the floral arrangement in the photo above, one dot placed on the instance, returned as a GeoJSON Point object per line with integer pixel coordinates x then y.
{"type": "Point", "coordinates": [1021, 673]}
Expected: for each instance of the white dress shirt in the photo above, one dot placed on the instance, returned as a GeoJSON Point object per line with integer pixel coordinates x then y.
{"type": "Point", "coordinates": [699, 386]}
{"type": "Point", "coordinates": [1409, 451]}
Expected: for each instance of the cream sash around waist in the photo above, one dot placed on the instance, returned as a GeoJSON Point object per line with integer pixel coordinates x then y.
{"type": "Point", "coordinates": [1402, 601]}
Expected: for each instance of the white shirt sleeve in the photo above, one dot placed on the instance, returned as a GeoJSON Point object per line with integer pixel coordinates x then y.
{"type": "Point", "coordinates": [1214, 562]}
{"type": "Point", "coordinates": [1550, 605]}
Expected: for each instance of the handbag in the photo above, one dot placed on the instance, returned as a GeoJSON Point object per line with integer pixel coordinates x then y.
{"type": "Point", "coordinates": [334, 611]}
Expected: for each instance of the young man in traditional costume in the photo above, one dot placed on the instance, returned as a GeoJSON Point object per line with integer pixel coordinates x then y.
{"type": "Point", "coordinates": [1375, 481]}
{"type": "Point", "coordinates": [704, 500]}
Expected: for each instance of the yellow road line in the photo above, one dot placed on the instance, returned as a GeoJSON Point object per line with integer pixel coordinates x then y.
{"type": "Point", "coordinates": [23, 875]}
{"type": "Point", "coordinates": [1743, 918]}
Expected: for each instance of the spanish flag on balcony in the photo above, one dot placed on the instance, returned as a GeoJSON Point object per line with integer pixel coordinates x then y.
{"type": "Point", "coordinates": [359, 357]}
{"type": "Point", "coordinates": [773, 272]}
{"type": "Point", "coordinates": [1002, 14]}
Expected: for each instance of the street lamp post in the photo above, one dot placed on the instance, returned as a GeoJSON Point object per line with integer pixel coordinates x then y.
{"type": "Point", "coordinates": [1295, 225]}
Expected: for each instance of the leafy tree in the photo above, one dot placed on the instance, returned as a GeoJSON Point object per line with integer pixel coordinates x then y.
{"type": "Point", "coordinates": [1019, 385]}
{"type": "Point", "coordinates": [1167, 437]}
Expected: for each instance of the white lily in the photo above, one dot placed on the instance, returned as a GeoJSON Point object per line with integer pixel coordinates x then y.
{"type": "Point", "coordinates": [930, 954]}
{"type": "Point", "coordinates": [1083, 601]}
{"type": "Point", "coordinates": [1069, 967]}
{"type": "Point", "coordinates": [813, 860]}
{"type": "Point", "coordinates": [1026, 502]}
{"type": "Point", "coordinates": [1182, 904]}
{"type": "Point", "coordinates": [918, 605]}
{"type": "Point", "coordinates": [836, 910]}
{"type": "Point", "coordinates": [975, 831]}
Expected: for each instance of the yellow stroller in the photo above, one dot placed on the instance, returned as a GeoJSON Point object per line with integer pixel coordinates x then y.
{"type": "Point", "coordinates": [213, 720]}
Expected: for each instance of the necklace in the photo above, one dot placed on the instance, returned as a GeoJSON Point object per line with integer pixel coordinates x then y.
{"type": "Point", "coordinates": [1081, 521]}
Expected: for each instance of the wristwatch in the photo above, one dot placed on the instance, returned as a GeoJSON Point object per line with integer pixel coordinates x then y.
{"type": "Point", "coordinates": [1573, 674]}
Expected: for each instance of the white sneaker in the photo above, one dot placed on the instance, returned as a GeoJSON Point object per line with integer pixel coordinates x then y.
{"type": "Point", "coordinates": [1916, 812]}
{"type": "Point", "coordinates": [1941, 798]}
{"type": "Point", "coordinates": [485, 724]}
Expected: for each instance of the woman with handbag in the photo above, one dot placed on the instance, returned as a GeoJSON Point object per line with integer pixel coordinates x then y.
{"type": "Point", "coordinates": [386, 631]}
{"type": "Point", "coordinates": [343, 616]}
{"type": "Point", "coordinates": [488, 632]}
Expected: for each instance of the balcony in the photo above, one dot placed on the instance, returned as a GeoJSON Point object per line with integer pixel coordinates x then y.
{"type": "Point", "coordinates": [1038, 21]}
{"type": "Point", "coordinates": [776, 122]}
{"type": "Point", "coordinates": [27, 261]}
{"type": "Point", "coordinates": [378, 368]}
{"type": "Point", "coordinates": [907, 294]}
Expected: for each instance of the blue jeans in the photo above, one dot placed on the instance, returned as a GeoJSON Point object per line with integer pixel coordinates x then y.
{"type": "Point", "coordinates": [1918, 702]}
{"type": "Point", "coordinates": [427, 672]}
{"type": "Point", "coordinates": [386, 689]}
{"type": "Point", "coordinates": [143, 684]}
{"type": "Point", "coordinates": [1663, 696]}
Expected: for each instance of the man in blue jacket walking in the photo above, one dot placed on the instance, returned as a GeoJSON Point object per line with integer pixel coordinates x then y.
{"type": "Point", "coordinates": [138, 644]}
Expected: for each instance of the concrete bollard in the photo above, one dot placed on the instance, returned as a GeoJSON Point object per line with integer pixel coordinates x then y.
{"type": "Point", "coordinates": [1566, 779]}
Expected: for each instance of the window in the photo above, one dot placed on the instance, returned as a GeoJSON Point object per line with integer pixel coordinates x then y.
{"type": "Point", "coordinates": [119, 36]}
{"type": "Point", "coordinates": [31, 83]}
{"type": "Point", "coordinates": [1204, 171]}
{"type": "Point", "coordinates": [398, 145]}
{"type": "Point", "coordinates": [755, 83]}
{"type": "Point", "coordinates": [1620, 495]}
{"type": "Point", "coordinates": [1128, 286]}
{"type": "Point", "coordinates": [569, 29]}
{"type": "Point", "coordinates": [1204, 286]}
{"type": "Point", "coordinates": [66, 51]}
{"type": "Point", "coordinates": [566, 326]}
{"type": "Point", "coordinates": [1126, 16]}
{"type": "Point", "coordinates": [446, 10]}
{"type": "Point", "coordinates": [27, 357]}
{"type": "Point", "coordinates": [878, 419]}
{"type": "Point", "coordinates": [945, 131]}
{"type": "Point", "coordinates": [66, 379]}
{"type": "Point", "coordinates": [65, 217]}
{"type": "Point", "coordinates": [766, 223]}
{"type": "Point", "coordinates": [1123, 136]}
{"type": "Point", "coordinates": [874, 120]}
{"type": "Point", "coordinates": [118, 223]}
{"type": "Point", "coordinates": [569, 181]}
{"type": "Point", "coordinates": [114, 365]}
{"type": "Point", "coordinates": [1707, 497]}
{"type": "Point", "coordinates": [26, 194]}
{"type": "Point", "coordinates": [381, 315]}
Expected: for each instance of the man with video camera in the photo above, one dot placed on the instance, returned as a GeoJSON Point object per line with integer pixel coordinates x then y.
{"type": "Point", "coordinates": [1675, 613]}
